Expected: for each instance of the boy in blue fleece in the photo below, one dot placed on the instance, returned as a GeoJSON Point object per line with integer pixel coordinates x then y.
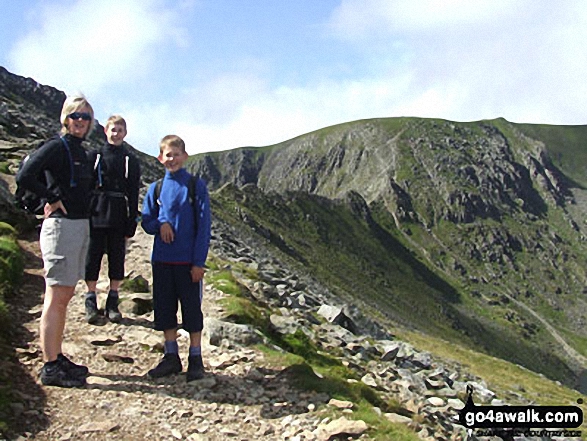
{"type": "Point", "coordinates": [180, 220]}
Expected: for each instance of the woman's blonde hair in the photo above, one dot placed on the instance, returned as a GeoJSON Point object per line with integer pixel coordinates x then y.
{"type": "Point", "coordinates": [73, 104]}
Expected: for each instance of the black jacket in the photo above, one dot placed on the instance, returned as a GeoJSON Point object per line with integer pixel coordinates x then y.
{"type": "Point", "coordinates": [115, 199]}
{"type": "Point", "coordinates": [68, 179]}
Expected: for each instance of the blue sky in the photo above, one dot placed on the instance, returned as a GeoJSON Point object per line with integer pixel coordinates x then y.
{"type": "Point", "coordinates": [230, 73]}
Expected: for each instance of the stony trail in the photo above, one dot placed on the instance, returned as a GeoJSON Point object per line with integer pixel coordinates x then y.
{"type": "Point", "coordinates": [238, 399]}
{"type": "Point", "coordinates": [244, 396]}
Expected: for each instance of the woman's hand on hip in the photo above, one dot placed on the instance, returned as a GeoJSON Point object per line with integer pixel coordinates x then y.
{"type": "Point", "coordinates": [51, 208]}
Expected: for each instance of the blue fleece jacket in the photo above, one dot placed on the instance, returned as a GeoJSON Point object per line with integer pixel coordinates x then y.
{"type": "Point", "coordinates": [192, 239]}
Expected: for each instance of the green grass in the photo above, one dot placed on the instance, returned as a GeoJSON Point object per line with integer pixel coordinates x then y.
{"type": "Point", "coordinates": [7, 230]}
{"type": "Point", "coordinates": [333, 379]}
{"type": "Point", "coordinates": [441, 277]}
{"type": "Point", "coordinates": [243, 311]}
{"type": "Point", "coordinates": [332, 244]}
{"type": "Point", "coordinates": [376, 266]}
{"type": "Point", "coordinates": [501, 376]}
{"type": "Point", "coordinates": [137, 284]}
{"type": "Point", "coordinates": [566, 146]}
{"type": "Point", "coordinates": [224, 281]}
{"type": "Point", "coordinates": [306, 366]}
{"type": "Point", "coordinates": [11, 270]}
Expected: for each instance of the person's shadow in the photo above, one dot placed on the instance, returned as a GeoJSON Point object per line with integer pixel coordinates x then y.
{"type": "Point", "coordinates": [220, 388]}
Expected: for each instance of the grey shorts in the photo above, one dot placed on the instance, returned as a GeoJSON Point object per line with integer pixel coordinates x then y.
{"type": "Point", "coordinates": [64, 245]}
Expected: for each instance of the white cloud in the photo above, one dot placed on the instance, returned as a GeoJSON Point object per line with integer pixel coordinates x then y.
{"type": "Point", "coordinates": [454, 59]}
{"type": "Point", "coordinates": [358, 19]}
{"type": "Point", "coordinates": [523, 60]}
{"type": "Point", "coordinates": [459, 59]}
{"type": "Point", "coordinates": [88, 46]}
{"type": "Point", "coordinates": [266, 116]}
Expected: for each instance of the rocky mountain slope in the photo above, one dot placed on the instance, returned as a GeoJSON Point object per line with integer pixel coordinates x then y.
{"type": "Point", "coordinates": [488, 216]}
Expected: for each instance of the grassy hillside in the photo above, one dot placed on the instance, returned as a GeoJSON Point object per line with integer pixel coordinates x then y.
{"type": "Point", "coordinates": [359, 254]}
{"type": "Point", "coordinates": [11, 270]}
{"type": "Point", "coordinates": [476, 229]}
{"type": "Point", "coordinates": [566, 145]}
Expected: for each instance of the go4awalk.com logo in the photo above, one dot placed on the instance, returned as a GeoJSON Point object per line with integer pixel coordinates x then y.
{"type": "Point", "coordinates": [522, 420]}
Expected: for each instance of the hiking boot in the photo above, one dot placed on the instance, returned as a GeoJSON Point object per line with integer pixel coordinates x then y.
{"type": "Point", "coordinates": [56, 374]}
{"type": "Point", "coordinates": [92, 313]}
{"type": "Point", "coordinates": [76, 370]}
{"type": "Point", "coordinates": [169, 365]}
{"type": "Point", "coordinates": [195, 368]}
{"type": "Point", "coordinates": [111, 310]}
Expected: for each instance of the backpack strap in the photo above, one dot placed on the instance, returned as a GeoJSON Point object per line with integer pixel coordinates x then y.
{"type": "Point", "coordinates": [72, 182]}
{"type": "Point", "coordinates": [98, 168]}
{"type": "Point", "coordinates": [191, 190]}
{"type": "Point", "coordinates": [158, 186]}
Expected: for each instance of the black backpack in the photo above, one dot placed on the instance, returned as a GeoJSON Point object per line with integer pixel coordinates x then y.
{"type": "Point", "coordinates": [26, 199]}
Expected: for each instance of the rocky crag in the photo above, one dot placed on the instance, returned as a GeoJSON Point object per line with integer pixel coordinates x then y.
{"type": "Point", "coordinates": [482, 206]}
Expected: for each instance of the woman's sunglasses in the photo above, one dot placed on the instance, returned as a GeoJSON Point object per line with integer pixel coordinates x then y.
{"type": "Point", "coordinates": [80, 115]}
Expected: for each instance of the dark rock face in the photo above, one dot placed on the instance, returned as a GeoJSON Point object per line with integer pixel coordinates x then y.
{"type": "Point", "coordinates": [240, 166]}
{"type": "Point", "coordinates": [28, 109]}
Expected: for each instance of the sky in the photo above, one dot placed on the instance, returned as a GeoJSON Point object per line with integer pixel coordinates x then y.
{"type": "Point", "coordinates": [224, 74]}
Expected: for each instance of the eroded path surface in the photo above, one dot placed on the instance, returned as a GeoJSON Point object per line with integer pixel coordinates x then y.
{"type": "Point", "coordinates": [239, 398]}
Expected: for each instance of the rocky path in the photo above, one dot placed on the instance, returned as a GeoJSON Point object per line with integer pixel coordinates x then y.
{"type": "Point", "coordinates": [244, 396]}
{"type": "Point", "coordinates": [239, 399]}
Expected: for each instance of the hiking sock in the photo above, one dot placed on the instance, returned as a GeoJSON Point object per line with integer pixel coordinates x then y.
{"type": "Point", "coordinates": [171, 347]}
{"type": "Point", "coordinates": [90, 295]}
{"type": "Point", "coordinates": [195, 350]}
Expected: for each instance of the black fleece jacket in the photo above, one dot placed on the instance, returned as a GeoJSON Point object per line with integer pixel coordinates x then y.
{"type": "Point", "coordinates": [116, 195]}
{"type": "Point", "coordinates": [68, 175]}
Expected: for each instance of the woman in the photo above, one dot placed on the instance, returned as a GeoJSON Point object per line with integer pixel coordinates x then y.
{"type": "Point", "coordinates": [65, 231]}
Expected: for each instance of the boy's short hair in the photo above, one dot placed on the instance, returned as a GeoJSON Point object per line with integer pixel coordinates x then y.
{"type": "Point", "coordinates": [116, 119]}
{"type": "Point", "coordinates": [73, 104]}
{"type": "Point", "coordinates": [172, 141]}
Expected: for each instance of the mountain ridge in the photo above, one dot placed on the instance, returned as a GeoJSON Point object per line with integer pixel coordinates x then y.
{"type": "Point", "coordinates": [481, 204]}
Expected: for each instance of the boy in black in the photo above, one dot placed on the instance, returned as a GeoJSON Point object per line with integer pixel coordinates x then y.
{"type": "Point", "coordinates": [115, 202]}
